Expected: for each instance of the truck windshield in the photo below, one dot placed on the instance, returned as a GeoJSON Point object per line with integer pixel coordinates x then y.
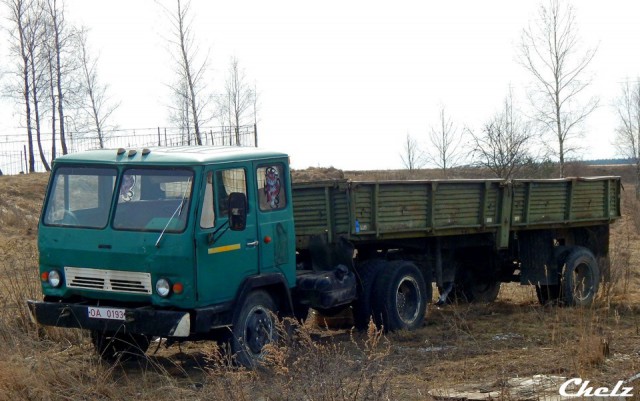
{"type": "Point", "coordinates": [80, 197]}
{"type": "Point", "coordinates": [153, 200]}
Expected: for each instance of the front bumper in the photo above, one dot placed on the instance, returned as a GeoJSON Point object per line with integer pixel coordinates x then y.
{"type": "Point", "coordinates": [146, 321]}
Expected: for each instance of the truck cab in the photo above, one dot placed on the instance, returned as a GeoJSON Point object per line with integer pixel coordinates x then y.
{"type": "Point", "coordinates": [178, 243]}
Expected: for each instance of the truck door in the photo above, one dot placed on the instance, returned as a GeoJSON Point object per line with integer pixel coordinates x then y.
{"type": "Point", "coordinates": [275, 219]}
{"type": "Point", "coordinates": [224, 257]}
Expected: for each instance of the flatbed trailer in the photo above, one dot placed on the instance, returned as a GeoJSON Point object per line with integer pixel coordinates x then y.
{"type": "Point", "coordinates": [467, 235]}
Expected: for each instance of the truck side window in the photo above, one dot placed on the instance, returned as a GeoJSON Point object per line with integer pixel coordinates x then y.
{"type": "Point", "coordinates": [271, 193]}
{"type": "Point", "coordinates": [207, 217]}
{"type": "Point", "coordinates": [228, 181]}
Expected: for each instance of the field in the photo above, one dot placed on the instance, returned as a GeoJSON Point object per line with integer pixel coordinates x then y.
{"type": "Point", "coordinates": [512, 349]}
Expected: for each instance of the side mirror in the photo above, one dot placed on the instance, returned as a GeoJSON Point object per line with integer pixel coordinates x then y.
{"type": "Point", "coordinates": [237, 211]}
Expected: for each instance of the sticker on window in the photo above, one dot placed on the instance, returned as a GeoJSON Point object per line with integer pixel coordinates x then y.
{"type": "Point", "coordinates": [270, 187]}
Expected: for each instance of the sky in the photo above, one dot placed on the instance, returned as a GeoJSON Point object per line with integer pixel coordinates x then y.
{"type": "Point", "coordinates": [342, 83]}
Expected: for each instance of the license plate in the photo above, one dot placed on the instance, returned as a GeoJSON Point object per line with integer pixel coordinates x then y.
{"type": "Point", "coordinates": [105, 313]}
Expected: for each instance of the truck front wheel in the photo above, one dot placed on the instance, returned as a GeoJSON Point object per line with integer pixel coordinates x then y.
{"type": "Point", "coordinates": [401, 297]}
{"type": "Point", "coordinates": [254, 327]}
{"type": "Point", "coordinates": [119, 346]}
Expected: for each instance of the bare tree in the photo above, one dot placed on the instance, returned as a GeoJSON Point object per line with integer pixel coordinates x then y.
{"type": "Point", "coordinates": [238, 99]}
{"type": "Point", "coordinates": [446, 141]}
{"type": "Point", "coordinates": [550, 52]}
{"type": "Point", "coordinates": [50, 70]}
{"type": "Point", "coordinates": [60, 42]}
{"type": "Point", "coordinates": [411, 155]}
{"type": "Point", "coordinates": [503, 144]}
{"type": "Point", "coordinates": [34, 35]}
{"type": "Point", "coordinates": [179, 114]}
{"type": "Point", "coordinates": [190, 85]}
{"type": "Point", "coordinates": [628, 131]}
{"type": "Point", "coordinates": [19, 17]}
{"type": "Point", "coordinates": [96, 104]}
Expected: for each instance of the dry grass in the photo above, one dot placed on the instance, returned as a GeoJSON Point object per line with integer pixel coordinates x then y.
{"type": "Point", "coordinates": [459, 344]}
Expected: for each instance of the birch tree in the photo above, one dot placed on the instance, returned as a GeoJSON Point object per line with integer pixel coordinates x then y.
{"type": "Point", "coordinates": [60, 42]}
{"type": "Point", "coordinates": [502, 146]}
{"type": "Point", "coordinates": [411, 155]}
{"type": "Point", "coordinates": [550, 52]}
{"type": "Point", "coordinates": [238, 102]}
{"type": "Point", "coordinates": [446, 143]}
{"type": "Point", "coordinates": [19, 19]}
{"type": "Point", "coordinates": [97, 106]}
{"type": "Point", "coordinates": [627, 106]}
{"type": "Point", "coordinates": [34, 34]}
{"type": "Point", "coordinates": [190, 67]}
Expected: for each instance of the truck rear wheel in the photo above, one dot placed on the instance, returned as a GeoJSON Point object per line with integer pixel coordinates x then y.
{"type": "Point", "coordinates": [401, 297]}
{"type": "Point", "coordinates": [481, 291]}
{"type": "Point", "coordinates": [362, 307]}
{"type": "Point", "coordinates": [254, 327]}
{"type": "Point", "coordinates": [119, 346]}
{"type": "Point", "coordinates": [548, 294]}
{"type": "Point", "coordinates": [476, 284]}
{"type": "Point", "coordinates": [580, 278]}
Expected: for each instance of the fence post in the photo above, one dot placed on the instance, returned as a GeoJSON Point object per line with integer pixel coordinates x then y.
{"type": "Point", "coordinates": [159, 144]}
{"type": "Point", "coordinates": [255, 134]}
{"type": "Point", "coordinates": [26, 165]}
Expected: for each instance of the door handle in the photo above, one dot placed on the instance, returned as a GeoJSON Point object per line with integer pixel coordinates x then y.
{"type": "Point", "coordinates": [253, 244]}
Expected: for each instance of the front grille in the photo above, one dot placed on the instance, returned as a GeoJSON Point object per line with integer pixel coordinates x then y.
{"type": "Point", "coordinates": [108, 280]}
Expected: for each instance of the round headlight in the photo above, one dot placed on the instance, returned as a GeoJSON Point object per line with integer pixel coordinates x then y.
{"type": "Point", "coordinates": [163, 287]}
{"type": "Point", "coordinates": [54, 278]}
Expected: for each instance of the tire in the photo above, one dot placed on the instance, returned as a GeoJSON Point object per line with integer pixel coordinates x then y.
{"type": "Point", "coordinates": [112, 347]}
{"type": "Point", "coordinates": [254, 326]}
{"type": "Point", "coordinates": [401, 297]}
{"type": "Point", "coordinates": [481, 292]}
{"type": "Point", "coordinates": [471, 286]}
{"type": "Point", "coordinates": [300, 311]}
{"type": "Point", "coordinates": [367, 274]}
{"type": "Point", "coordinates": [580, 278]}
{"type": "Point", "coordinates": [548, 294]}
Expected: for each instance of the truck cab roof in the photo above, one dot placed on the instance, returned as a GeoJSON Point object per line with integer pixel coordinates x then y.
{"type": "Point", "coordinates": [179, 156]}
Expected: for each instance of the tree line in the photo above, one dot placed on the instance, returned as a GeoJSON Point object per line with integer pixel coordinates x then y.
{"type": "Point", "coordinates": [54, 77]}
{"type": "Point", "coordinates": [550, 51]}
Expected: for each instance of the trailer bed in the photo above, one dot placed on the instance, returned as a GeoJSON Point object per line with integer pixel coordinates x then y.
{"type": "Point", "coordinates": [380, 210]}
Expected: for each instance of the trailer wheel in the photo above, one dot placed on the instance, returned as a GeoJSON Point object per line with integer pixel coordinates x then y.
{"type": "Point", "coordinates": [254, 327]}
{"type": "Point", "coordinates": [121, 346]}
{"type": "Point", "coordinates": [367, 274]}
{"type": "Point", "coordinates": [401, 297]}
{"type": "Point", "coordinates": [580, 278]}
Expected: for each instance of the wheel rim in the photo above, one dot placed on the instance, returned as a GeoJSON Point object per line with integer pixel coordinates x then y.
{"type": "Point", "coordinates": [258, 330]}
{"type": "Point", "coordinates": [582, 281]}
{"type": "Point", "coordinates": [408, 299]}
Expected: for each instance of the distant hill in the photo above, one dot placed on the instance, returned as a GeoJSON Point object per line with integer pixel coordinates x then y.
{"type": "Point", "coordinates": [608, 162]}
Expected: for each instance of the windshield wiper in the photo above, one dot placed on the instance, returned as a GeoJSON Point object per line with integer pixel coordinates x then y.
{"type": "Point", "coordinates": [178, 210]}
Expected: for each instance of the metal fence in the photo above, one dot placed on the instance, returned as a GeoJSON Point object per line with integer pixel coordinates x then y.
{"type": "Point", "coordinates": [14, 158]}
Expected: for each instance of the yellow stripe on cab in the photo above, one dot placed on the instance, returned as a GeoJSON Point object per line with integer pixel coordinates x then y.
{"type": "Point", "coordinates": [226, 248]}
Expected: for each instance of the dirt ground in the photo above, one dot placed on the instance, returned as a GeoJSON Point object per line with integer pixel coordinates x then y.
{"type": "Point", "coordinates": [464, 351]}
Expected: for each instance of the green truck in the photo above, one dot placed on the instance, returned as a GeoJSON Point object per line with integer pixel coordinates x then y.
{"type": "Point", "coordinates": [195, 243]}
